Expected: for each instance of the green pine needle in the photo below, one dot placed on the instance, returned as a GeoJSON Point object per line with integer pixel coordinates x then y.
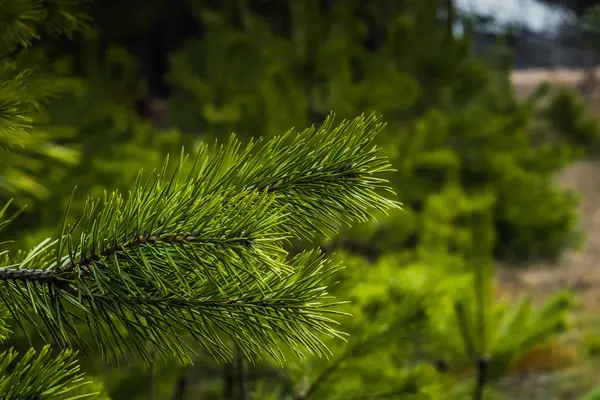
{"type": "Point", "coordinates": [40, 376]}
{"type": "Point", "coordinates": [202, 260]}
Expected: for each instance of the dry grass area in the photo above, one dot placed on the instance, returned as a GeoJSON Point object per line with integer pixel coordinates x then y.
{"type": "Point", "coordinates": [525, 81]}
{"type": "Point", "coordinates": [576, 269]}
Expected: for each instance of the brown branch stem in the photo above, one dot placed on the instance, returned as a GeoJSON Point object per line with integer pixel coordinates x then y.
{"type": "Point", "coordinates": [83, 266]}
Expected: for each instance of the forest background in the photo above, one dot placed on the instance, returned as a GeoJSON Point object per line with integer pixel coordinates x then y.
{"type": "Point", "coordinates": [436, 293]}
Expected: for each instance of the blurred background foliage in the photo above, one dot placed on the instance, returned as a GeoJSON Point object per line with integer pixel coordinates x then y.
{"type": "Point", "coordinates": [152, 76]}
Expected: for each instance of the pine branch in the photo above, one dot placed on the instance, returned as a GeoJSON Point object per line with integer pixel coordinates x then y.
{"type": "Point", "coordinates": [203, 258]}
{"type": "Point", "coordinates": [327, 176]}
{"type": "Point", "coordinates": [40, 376]}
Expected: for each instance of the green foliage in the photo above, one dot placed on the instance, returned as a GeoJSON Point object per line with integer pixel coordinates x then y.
{"type": "Point", "coordinates": [511, 332]}
{"type": "Point", "coordinates": [568, 120]}
{"type": "Point", "coordinates": [113, 142]}
{"type": "Point", "coordinates": [94, 123]}
{"type": "Point", "coordinates": [27, 86]}
{"type": "Point", "coordinates": [23, 91]}
{"type": "Point", "coordinates": [125, 267]}
{"type": "Point", "coordinates": [453, 120]}
{"type": "Point", "coordinates": [592, 343]}
{"type": "Point", "coordinates": [40, 375]}
{"type": "Point", "coordinates": [113, 249]}
{"type": "Point", "coordinates": [462, 144]}
{"type": "Point", "coordinates": [24, 21]}
{"type": "Point", "coordinates": [593, 394]}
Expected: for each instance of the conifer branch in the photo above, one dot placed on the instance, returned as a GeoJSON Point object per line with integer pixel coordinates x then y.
{"type": "Point", "coordinates": [195, 260]}
{"type": "Point", "coordinates": [40, 376]}
{"type": "Point", "coordinates": [39, 275]}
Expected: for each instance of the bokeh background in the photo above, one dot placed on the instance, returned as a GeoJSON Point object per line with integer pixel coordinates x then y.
{"type": "Point", "coordinates": [492, 124]}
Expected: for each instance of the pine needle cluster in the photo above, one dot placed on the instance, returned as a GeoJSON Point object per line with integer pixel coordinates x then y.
{"type": "Point", "coordinates": [203, 257]}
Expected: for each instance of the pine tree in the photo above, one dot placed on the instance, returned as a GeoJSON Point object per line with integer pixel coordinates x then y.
{"type": "Point", "coordinates": [195, 254]}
